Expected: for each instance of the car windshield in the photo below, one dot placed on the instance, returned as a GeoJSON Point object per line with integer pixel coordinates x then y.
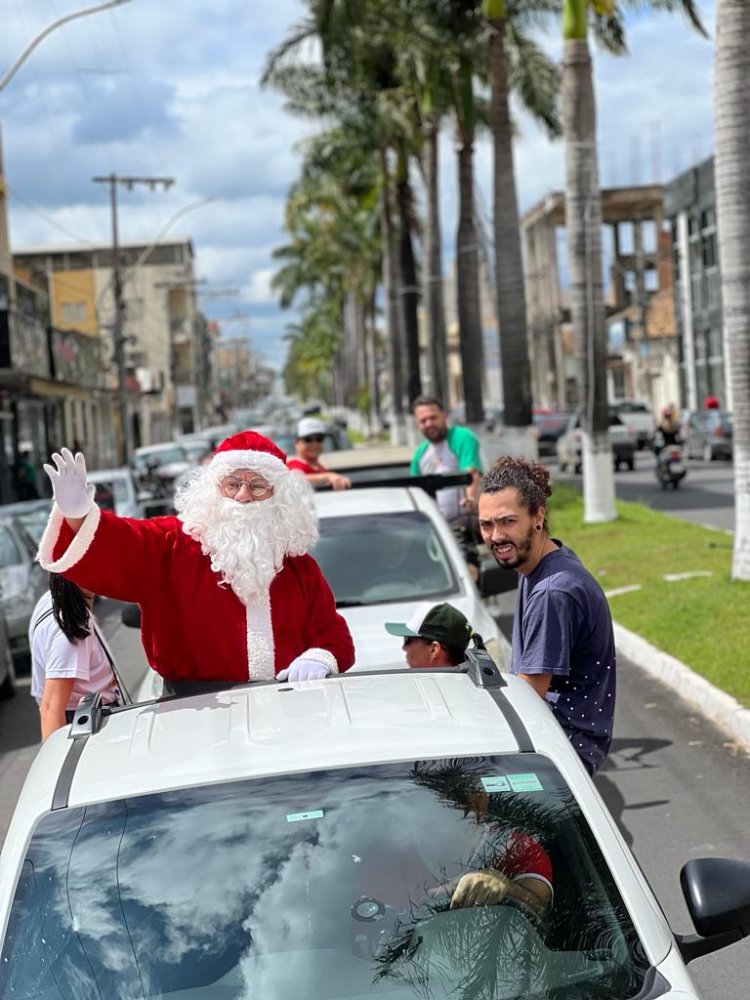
{"type": "Point", "coordinates": [33, 523]}
{"type": "Point", "coordinates": [110, 491]}
{"type": "Point", "coordinates": [375, 558]}
{"type": "Point", "coordinates": [9, 551]}
{"type": "Point", "coordinates": [323, 885]}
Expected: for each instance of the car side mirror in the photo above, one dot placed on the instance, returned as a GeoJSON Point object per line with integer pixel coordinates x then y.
{"type": "Point", "coordinates": [717, 893]}
{"type": "Point", "coordinates": [131, 616]}
{"type": "Point", "coordinates": [494, 579]}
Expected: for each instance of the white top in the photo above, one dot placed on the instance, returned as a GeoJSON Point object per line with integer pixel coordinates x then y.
{"type": "Point", "coordinates": [53, 655]}
{"type": "Point", "coordinates": [439, 459]}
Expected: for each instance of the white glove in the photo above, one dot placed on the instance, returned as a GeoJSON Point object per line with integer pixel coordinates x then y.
{"type": "Point", "coordinates": [303, 670]}
{"type": "Point", "coordinates": [68, 477]}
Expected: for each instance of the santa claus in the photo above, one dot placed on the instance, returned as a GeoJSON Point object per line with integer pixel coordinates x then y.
{"type": "Point", "coordinates": [226, 589]}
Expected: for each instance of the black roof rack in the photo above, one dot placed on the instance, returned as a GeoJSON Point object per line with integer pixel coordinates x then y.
{"type": "Point", "coordinates": [430, 484]}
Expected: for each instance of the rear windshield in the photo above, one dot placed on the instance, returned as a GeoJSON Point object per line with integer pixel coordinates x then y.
{"type": "Point", "coordinates": [324, 885]}
{"type": "Point", "coordinates": [375, 558]}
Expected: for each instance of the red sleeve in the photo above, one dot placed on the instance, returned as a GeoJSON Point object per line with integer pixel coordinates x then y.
{"type": "Point", "coordinates": [325, 628]}
{"type": "Point", "coordinates": [524, 856]}
{"type": "Point", "coordinates": [300, 466]}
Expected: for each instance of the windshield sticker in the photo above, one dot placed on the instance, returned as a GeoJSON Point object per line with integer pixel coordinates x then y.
{"type": "Point", "coordinates": [495, 784]}
{"type": "Point", "coordinates": [525, 783]}
{"type": "Point", "coordinates": [298, 817]}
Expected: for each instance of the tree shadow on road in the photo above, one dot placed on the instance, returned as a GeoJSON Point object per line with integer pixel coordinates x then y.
{"type": "Point", "coordinates": [628, 755]}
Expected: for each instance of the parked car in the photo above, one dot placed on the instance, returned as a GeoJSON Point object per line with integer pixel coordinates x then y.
{"type": "Point", "coordinates": [493, 416]}
{"type": "Point", "coordinates": [708, 435]}
{"type": "Point", "coordinates": [30, 516]}
{"type": "Point", "coordinates": [7, 666]}
{"type": "Point", "coordinates": [549, 425]}
{"type": "Point", "coordinates": [638, 416]}
{"type": "Point", "coordinates": [385, 549]}
{"type": "Point", "coordinates": [166, 461]}
{"type": "Point", "coordinates": [569, 444]}
{"type": "Point", "coordinates": [305, 840]}
{"type": "Point", "coordinates": [22, 582]}
{"type": "Point", "coordinates": [118, 491]}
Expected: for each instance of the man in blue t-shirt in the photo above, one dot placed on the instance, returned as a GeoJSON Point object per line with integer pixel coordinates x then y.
{"type": "Point", "coordinates": [447, 450]}
{"type": "Point", "coordinates": [563, 643]}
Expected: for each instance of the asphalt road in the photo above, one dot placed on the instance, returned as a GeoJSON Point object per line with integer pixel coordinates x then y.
{"type": "Point", "coordinates": [705, 495]}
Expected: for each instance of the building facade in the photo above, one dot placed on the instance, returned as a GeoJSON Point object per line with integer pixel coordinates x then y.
{"type": "Point", "coordinates": [165, 344]}
{"type": "Point", "coordinates": [690, 208]}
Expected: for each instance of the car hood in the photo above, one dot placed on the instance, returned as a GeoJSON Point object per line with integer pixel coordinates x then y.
{"type": "Point", "coordinates": [375, 649]}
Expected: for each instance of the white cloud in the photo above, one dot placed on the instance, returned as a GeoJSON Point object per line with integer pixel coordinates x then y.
{"type": "Point", "coordinates": [181, 98]}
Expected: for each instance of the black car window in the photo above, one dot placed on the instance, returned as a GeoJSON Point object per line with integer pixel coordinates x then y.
{"type": "Point", "coordinates": [375, 558]}
{"type": "Point", "coordinates": [322, 885]}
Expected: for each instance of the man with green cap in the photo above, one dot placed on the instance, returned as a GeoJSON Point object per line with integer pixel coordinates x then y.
{"type": "Point", "coordinates": [436, 635]}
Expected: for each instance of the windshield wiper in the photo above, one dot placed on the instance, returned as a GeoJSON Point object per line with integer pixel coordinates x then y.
{"type": "Point", "coordinates": [349, 604]}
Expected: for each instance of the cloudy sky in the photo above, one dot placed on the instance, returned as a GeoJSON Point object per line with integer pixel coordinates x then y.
{"type": "Point", "coordinates": [170, 88]}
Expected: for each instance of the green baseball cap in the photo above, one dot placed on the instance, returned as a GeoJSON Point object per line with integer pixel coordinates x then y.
{"type": "Point", "coordinates": [436, 623]}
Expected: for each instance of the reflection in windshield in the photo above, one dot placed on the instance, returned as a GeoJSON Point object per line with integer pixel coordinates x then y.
{"type": "Point", "coordinates": [383, 557]}
{"type": "Point", "coordinates": [329, 885]}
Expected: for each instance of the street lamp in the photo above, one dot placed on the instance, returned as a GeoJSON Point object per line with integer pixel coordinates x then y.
{"type": "Point", "coordinates": [48, 30]}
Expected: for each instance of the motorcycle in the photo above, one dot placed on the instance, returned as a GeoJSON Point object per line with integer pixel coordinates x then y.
{"type": "Point", "coordinates": [670, 463]}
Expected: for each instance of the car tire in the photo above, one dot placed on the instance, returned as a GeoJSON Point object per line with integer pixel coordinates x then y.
{"type": "Point", "coordinates": [578, 468]}
{"type": "Point", "coordinates": [708, 453]}
{"type": "Point", "coordinates": [630, 464]}
{"type": "Point", "coordinates": [8, 687]}
{"type": "Point", "coordinates": [562, 466]}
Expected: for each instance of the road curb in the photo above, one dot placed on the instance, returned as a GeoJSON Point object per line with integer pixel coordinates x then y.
{"type": "Point", "coordinates": [718, 706]}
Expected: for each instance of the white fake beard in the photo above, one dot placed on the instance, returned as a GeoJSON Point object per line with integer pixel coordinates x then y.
{"type": "Point", "coordinates": [247, 542]}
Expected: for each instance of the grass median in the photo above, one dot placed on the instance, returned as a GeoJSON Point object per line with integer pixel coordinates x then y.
{"type": "Point", "coordinates": [702, 620]}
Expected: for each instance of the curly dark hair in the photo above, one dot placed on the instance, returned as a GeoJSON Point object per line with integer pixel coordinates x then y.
{"type": "Point", "coordinates": [530, 479]}
{"type": "Point", "coordinates": [69, 607]}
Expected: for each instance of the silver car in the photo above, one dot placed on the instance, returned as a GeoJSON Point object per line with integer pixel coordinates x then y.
{"type": "Point", "coordinates": [22, 582]}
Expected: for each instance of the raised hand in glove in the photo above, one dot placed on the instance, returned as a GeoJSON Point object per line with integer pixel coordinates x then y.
{"type": "Point", "coordinates": [483, 888]}
{"type": "Point", "coordinates": [302, 669]}
{"type": "Point", "coordinates": [73, 495]}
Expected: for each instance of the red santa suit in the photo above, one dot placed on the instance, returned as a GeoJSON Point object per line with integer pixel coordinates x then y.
{"type": "Point", "coordinates": [194, 627]}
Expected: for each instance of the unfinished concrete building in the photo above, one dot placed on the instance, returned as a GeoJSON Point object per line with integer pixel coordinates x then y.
{"type": "Point", "coordinates": [642, 361]}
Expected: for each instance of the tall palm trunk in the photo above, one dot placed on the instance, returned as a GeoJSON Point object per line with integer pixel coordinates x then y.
{"type": "Point", "coordinates": [432, 269]}
{"type": "Point", "coordinates": [584, 227]}
{"type": "Point", "coordinates": [511, 298]}
{"type": "Point", "coordinates": [409, 290]}
{"type": "Point", "coordinates": [393, 310]}
{"type": "Point", "coordinates": [732, 140]}
{"type": "Point", "coordinates": [467, 256]}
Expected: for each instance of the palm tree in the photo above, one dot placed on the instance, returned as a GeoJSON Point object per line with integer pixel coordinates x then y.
{"type": "Point", "coordinates": [583, 225]}
{"type": "Point", "coordinates": [732, 132]}
{"type": "Point", "coordinates": [513, 58]}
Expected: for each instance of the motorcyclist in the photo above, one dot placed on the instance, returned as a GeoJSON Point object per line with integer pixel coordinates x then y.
{"type": "Point", "coordinates": [668, 428]}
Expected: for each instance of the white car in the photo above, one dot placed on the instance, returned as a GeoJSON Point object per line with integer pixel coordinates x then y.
{"type": "Point", "coordinates": [384, 550]}
{"type": "Point", "coordinates": [307, 840]}
{"type": "Point", "coordinates": [116, 490]}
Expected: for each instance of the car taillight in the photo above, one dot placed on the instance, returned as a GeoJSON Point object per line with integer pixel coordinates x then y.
{"type": "Point", "coordinates": [719, 431]}
{"type": "Point", "coordinates": [674, 455]}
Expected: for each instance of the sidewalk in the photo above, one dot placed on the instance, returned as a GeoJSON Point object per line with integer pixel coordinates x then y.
{"type": "Point", "coordinates": [713, 703]}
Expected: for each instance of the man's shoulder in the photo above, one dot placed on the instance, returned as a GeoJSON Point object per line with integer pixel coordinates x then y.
{"type": "Point", "coordinates": [460, 435]}
{"type": "Point", "coordinates": [562, 571]}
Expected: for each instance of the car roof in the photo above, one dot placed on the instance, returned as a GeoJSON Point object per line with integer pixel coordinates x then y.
{"type": "Point", "coordinates": [165, 446]}
{"type": "Point", "coordinates": [121, 473]}
{"type": "Point", "coordinates": [370, 500]}
{"type": "Point", "coordinates": [265, 729]}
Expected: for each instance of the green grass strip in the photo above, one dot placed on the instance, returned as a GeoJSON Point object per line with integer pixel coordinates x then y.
{"type": "Point", "coordinates": [704, 621]}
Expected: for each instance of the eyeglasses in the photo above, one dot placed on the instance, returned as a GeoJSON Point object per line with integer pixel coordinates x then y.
{"type": "Point", "coordinates": [313, 439]}
{"type": "Point", "coordinates": [258, 489]}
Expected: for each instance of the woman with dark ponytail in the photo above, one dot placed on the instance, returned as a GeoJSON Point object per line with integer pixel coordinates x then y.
{"type": "Point", "coordinates": [68, 655]}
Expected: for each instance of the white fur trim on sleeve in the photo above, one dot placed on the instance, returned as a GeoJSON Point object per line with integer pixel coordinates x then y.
{"type": "Point", "coordinates": [323, 656]}
{"type": "Point", "coordinates": [79, 544]}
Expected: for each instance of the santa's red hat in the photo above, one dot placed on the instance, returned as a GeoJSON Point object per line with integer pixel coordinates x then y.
{"type": "Point", "coordinates": [248, 450]}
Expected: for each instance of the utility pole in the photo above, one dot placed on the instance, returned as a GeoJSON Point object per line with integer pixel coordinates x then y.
{"type": "Point", "coordinates": [126, 431]}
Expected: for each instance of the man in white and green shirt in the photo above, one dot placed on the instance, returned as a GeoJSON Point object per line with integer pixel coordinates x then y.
{"type": "Point", "coordinates": [445, 451]}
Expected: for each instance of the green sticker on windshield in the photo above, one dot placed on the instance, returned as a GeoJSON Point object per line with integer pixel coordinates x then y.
{"type": "Point", "coordinates": [298, 817]}
{"type": "Point", "coordinates": [525, 783]}
{"type": "Point", "coordinates": [495, 784]}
